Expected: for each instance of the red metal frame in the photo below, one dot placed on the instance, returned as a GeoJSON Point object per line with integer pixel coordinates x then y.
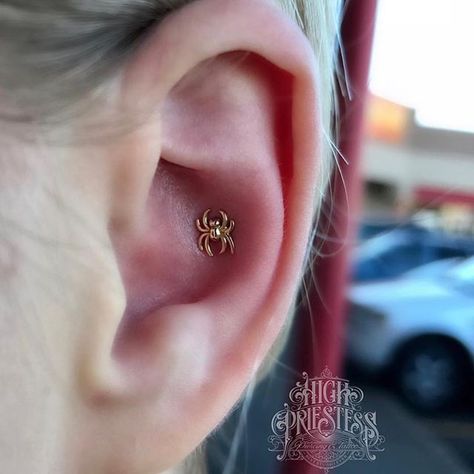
{"type": "Point", "coordinates": [320, 327]}
{"type": "Point", "coordinates": [435, 196]}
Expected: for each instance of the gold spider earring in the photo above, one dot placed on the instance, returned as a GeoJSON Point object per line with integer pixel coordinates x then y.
{"type": "Point", "coordinates": [216, 229]}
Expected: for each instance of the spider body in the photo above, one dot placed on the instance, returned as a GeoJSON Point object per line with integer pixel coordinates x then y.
{"type": "Point", "coordinates": [217, 229]}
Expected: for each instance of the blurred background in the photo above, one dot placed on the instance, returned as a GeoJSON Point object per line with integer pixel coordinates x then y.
{"type": "Point", "coordinates": [399, 233]}
{"type": "Point", "coordinates": [410, 312]}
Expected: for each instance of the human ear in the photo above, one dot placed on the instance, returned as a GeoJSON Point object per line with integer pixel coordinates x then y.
{"type": "Point", "coordinates": [234, 127]}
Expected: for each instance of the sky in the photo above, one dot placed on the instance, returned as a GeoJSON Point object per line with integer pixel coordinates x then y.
{"type": "Point", "coordinates": [423, 58]}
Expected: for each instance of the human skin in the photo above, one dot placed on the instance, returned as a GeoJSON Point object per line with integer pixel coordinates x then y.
{"type": "Point", "coordinates": [123, 345]}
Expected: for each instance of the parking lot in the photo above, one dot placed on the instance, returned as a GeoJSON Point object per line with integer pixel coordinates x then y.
{"type": "Point", "coordinates": [415, 443]}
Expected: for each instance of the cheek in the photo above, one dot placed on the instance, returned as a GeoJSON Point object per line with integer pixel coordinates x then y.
{"type": "Point", "coordinates": [43, 305]}
{"type": "Point", "coordinates": [31, 402]}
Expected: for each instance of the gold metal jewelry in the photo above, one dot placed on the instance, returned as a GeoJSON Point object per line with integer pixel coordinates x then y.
{"type": "Point", "coordinates": [214, 230]}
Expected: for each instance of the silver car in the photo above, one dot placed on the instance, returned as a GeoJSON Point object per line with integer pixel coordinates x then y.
{"type": "Point", "coordinates": [420, 329]}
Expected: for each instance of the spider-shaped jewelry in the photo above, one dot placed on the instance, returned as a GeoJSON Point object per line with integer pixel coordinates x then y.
{"type": "Point", "coordinates": [213, 230]}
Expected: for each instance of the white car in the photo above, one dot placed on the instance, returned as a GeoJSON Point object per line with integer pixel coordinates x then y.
{"type": "Point", "coordinates": [421, 328]}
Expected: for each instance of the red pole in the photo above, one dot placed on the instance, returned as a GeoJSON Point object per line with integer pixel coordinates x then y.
{"type": "Point", "coordinates": [331, 273]}
{"type": "Point", "coordinates": [321, 323]}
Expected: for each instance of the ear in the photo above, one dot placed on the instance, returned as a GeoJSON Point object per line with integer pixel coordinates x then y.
{"type": "Point", "coordinates": [234, 127]}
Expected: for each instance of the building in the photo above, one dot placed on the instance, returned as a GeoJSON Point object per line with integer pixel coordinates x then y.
{"type": "Point", "coordinates": [412, 171]}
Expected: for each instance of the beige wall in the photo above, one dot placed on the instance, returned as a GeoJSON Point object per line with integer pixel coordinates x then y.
{"type": "Point", "coordinates": [407, 167]}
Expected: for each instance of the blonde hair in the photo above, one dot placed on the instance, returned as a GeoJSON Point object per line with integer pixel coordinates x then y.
{"type": "Point", "coordinates": [56, 55]}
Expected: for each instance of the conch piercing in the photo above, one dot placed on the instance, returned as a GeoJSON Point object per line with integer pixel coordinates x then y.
{"type": "Point", "coordinates": [214, 230]}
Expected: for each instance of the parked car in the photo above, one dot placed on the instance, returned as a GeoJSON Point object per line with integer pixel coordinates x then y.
{"type": "Point", "coordinates": [420, 330]}
{"type": "Point", "coordinates": [391, 253]}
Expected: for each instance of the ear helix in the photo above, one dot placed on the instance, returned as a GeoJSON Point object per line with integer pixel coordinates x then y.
{"type": "Point", "coordinates": [215, 230]}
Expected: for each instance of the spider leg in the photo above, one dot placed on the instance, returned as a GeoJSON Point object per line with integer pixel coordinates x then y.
{"type": "Point", "coordinates": [223, 245]}
{"type": "Point", "coordinates": [204, 219]}
{"type": "Point", "coordinates": [200, 226]}
{"type": "Point", "coordinates": [208, 246]}
{"type": "Point", "coordinates": [225, 219]}
{"type": "Point", "coordinates": [231, 226]}
{"type": "Point", "coordinates": [201, 242]}
{"type": "Point", "coordinates": [230, 240]}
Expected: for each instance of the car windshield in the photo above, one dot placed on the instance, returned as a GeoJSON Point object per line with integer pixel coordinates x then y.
{"type": "Point", "coordinates": [435, 268]}
{"type": "Point", "coordinates": [381, 244]}
{"type": "Point", "coordinates": [464, 272]}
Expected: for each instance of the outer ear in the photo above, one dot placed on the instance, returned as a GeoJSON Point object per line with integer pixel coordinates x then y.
{"type": "Point", "coordinates": [235, 127]}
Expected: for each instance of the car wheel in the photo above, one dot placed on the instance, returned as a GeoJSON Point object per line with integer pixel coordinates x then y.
{"type": "Point", "coordinates": [432, 374]}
